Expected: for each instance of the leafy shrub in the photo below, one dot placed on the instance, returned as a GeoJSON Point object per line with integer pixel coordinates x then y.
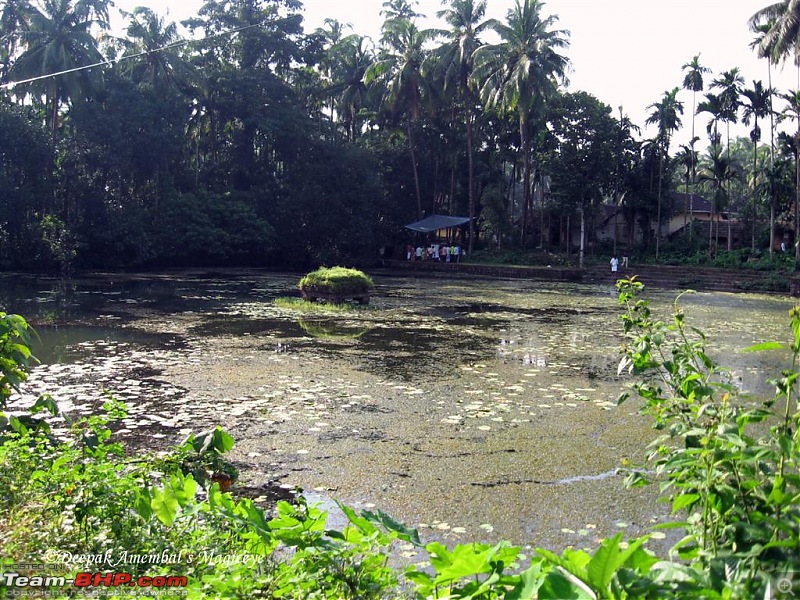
{"type": "Point", "coordinates": [730, 468]}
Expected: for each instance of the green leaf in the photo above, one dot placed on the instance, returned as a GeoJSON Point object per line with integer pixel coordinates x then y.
{"type": "Point", "coordinates": [683, 501]}
{"type": "Point", "coordinates": [165, 506]}
{"type": "Point", "coordinates": [45, 402]}
{"type": "Point", "coordinates": [529, 582]}
{"type": "Point", "coordinates": [559, 585]}
{"type": "Point", "coordinates": [142, 505]}
{"type": "Point", "coordinates": [604, 563]}
{"type": "Point", "coordinates": [397, 528]}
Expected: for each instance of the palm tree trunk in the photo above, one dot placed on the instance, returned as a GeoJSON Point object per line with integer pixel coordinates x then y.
{"type": "Point", "coordinates": [771, 162]}
{"type": "Point", "coordinates": [711, 231]}
{"type": "Point", "coordinates": [797, 200]}
{"type": "Point", "coordinates": [755, 166]}
{"type": "Point", "coordinates": [568, 237]}
{"type": "Point", "coordinates": [526, 177]}
{"type": "Point", "coordinates": [583, 237]}
{"type": "Point", "coordinates": [414, 168]}
{"type": "Point", "coordinates": [658, 210]}
{"type": "Point", "coordinates": [470, 184]}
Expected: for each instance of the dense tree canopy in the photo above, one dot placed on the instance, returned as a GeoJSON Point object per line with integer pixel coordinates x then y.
{"type": "Point", "coordinates": [257, 142]}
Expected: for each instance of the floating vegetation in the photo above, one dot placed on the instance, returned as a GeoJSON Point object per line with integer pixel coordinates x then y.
{"type": "Point", "coordinates": [384, 406]}
{"type": "Point", "coordinates": [306, 306]}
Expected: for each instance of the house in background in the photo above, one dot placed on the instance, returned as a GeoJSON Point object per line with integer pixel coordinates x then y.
{"type": "Point", "coordinates": [686, 209]}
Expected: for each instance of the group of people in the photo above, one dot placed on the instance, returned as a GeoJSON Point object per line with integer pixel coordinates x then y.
{"type": "Point", "coordinates": [615, 264]}
{"type": "Point", "coordinates": [436, 252]}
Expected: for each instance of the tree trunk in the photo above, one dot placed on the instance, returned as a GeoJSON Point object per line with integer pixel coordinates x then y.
{"type": "Point", "coordinates": [568, 237]}
{"type": "Point", "coordinates": [771, 162]}
{"type": "Point", "coordinates": [470, 184]}
{"type": "Point", "coordinates": [526, 177]}
{"type": "Point", "coordinates": [797, 200]}
{"type": "Point", "coordinates": [583, 237]}
{"type": "Point", "coordinates": [711, 230]}
{"type": "Point", "coordinates": [658, 210]}
{"type": "Point", "coordinates": [414, 167]}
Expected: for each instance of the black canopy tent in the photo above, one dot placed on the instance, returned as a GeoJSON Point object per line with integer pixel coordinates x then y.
{"type": "Point", "coordinates": [436, 223]}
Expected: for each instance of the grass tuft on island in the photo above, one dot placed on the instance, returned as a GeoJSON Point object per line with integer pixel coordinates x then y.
{"type": "Point", "coordinates": [336, 284]}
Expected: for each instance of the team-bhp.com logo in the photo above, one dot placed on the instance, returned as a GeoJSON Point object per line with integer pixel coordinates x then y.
{"type": "Point", "coordinates": [92, 580]}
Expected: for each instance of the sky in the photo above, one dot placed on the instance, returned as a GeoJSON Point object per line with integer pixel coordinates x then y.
{"type": "Point", "coordinates": [627, 53]}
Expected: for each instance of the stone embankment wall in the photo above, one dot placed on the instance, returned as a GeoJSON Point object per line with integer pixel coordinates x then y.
{"type": "Point", "coordinates": [657, 276]}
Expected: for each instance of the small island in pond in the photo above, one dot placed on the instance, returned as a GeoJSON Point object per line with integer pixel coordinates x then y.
{"type": "Point", "coordinates": [336, 284]}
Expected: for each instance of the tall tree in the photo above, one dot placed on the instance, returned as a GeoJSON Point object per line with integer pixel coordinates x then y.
{"type": "Point", "coordinates": [582, 166]}
{"type": "Point", "coordinates": [756, 105]}
{"type": "Point", "coordinates": [350, 59]}
{"type": "Point", "coordinates": [693, 81]}
{"type": "Point", "coordinates": [400, 68]}
{"type": "Point", "coordinates": [792, 110]}
{"type": "Point", "coordinates": [719, 171]}
{"type": "Point", "coordinates": [521, 72]}
{"type": "Point", "coordinates": [158, 62]}
{"type": "Point", "coordinates": [782, 37]}
{"type": "Point", "coordinates": [456, 57]}
{"type": "Point", "coordinates": [57, 38]}
{"type": "Point", "coordinates": [730, 85]}
{"type": "Point", "coordinates": [12, 21]}
{"type": "Point", "coordinates": [765, 49]}
{"type": "Point", "coordinates": [712, 104]}
{"type": "Point", "coordinates": [666, 117]}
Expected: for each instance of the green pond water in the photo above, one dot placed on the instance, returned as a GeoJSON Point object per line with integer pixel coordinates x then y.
{"type": "Point", "coordinates": [472, 409]}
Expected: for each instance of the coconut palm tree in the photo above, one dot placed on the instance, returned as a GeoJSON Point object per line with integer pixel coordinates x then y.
{"type": "Point", "coordinates": [666, 116]}
{"type": "Point", "coordinates": [159, 65]}
{"type": "Point", "coordinates": [12, 20]}
{"type": "Point", "coordinates": [354, 55]}
{"type": "Point", "coordinates": [766, 51]}
{"type": "Point", "coordinates": [57, 38]}
{"type": "Point", "coordinates": [396, 13]}
{"type": "Point", "coordinates": [792, 110]}
{"type": "Point", "coordinates": [456, 65]}
{"type": "Point", "coordinates": [756, 105]}
{"type": "Point", "coordinates": [521, 72]}
{"type": "Point", "coordinates": [400, 68]}
{"type": "Point", "coordinates": [782, 36]}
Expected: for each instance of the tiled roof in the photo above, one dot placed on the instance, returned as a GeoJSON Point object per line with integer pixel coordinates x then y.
{"type": "Point", "coordinates": [684, 203]}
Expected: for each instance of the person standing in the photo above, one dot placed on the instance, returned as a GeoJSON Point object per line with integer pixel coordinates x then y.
{"type": "Point", "coordinates": [614, 264]}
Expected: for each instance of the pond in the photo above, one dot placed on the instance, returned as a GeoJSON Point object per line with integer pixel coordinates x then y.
{"type": "Point", "coordinates": [469, 408]}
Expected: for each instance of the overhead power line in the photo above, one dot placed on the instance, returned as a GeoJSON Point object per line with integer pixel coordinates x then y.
{"type": "Point", "coordinates": [112, 61]}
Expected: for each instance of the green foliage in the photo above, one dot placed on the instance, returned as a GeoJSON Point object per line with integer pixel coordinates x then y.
{"type": "Point", "coordinates": [15, 354]}
{"type": "Point", "coordinates": [729, 465]}
{"type": "Point", "coordinates": [304, 306]}
{"type": "Point", "coordinates": [337, 280]}
{"type": "Point", "coordinates": [214, 229]}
